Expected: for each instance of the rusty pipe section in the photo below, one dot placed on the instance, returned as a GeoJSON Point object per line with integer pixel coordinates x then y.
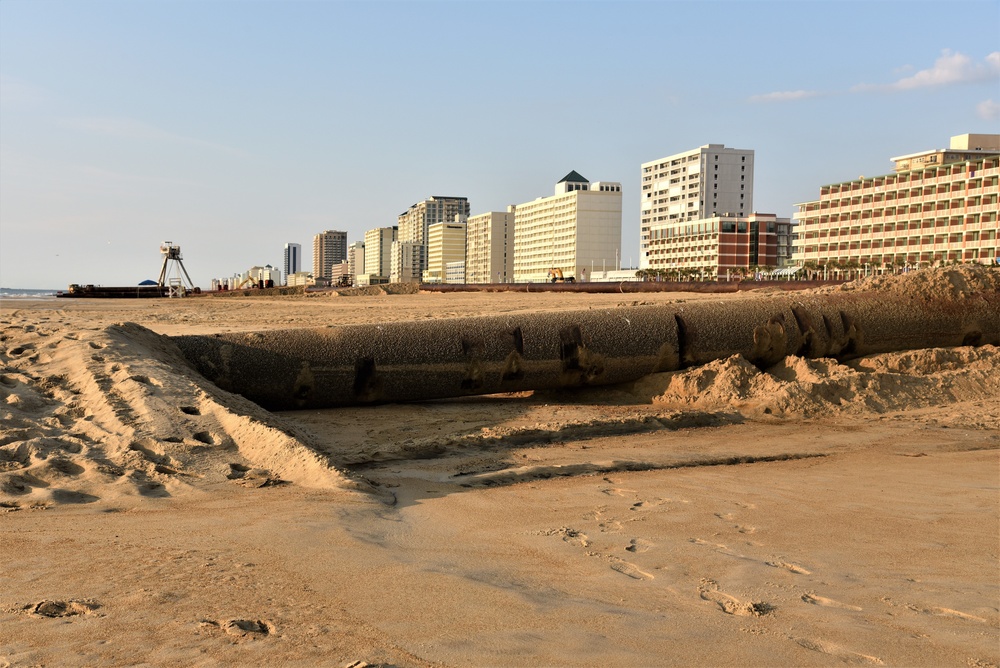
{"type": "Point", "coordinates": [412, 361]}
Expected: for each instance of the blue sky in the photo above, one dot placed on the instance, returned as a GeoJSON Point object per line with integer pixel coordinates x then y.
{"type": "Point", "coordinates": [234, 127]}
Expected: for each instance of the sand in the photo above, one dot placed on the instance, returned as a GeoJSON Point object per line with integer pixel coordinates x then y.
{"type": "Point", "coordinates": [813, 513]}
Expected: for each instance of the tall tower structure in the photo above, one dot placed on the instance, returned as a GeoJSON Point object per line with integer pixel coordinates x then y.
{"type": "Point", "coordinates": [415, 221]}
{"type": "Point", "coordinates": [489, 252]}
{"type": "Point", "coordinates": [329, 248]}
{"type": "Point", "coordinates": [378, 251]}
{"type": "Point", "coordinates": [293, 259]}
{"type": "Point", "coordinates": [705, 182]}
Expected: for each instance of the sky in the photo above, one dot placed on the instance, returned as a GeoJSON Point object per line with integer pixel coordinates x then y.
{"type": "Point", "coordinates": [234, 127]}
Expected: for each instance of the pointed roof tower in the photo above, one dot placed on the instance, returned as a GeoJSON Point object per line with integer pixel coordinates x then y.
{"type": "Point", "coordinates": [573, 177]}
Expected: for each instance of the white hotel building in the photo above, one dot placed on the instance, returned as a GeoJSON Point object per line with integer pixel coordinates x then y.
{"type": "Point", "coordinates": [578, 230]}
{"type": "Point", "coordinates": [705, 182]}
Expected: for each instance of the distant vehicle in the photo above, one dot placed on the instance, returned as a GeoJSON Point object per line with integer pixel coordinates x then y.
{"type": "Point", "coordinates": [556, 276]}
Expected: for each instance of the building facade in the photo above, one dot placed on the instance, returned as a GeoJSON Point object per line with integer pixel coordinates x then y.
{"type": "Point", "coordinates": [445, 244]}
{"type": "Point", "coordinates": [701, 183]}
{"type": "Point", "coordinates": [489, 247]}
{"type": "Point", "coordinates": [414, 222]}
{"type": "Point", "coordinates": [329, 248]}
{"type": "Point", "coordinates": [720, 246]}
{"type": "Point", "coordinates": [454, 273]}
{"type": "Point", "coordinates": [577, 230]}
{"type": "Point", "coordinates": [938, 206]}
{"type": "Point", "coordinates": [293, 259]}
{"type": "Point", "coordinates": [356, 259]}
{"type": "Point", "coordinates": [378, 254]}
{"type": "Point", "coordinates": [405, 262]}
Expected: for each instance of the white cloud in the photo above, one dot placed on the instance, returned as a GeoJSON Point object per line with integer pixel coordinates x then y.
{"type": "Point", "coordinates": [988, 110]}
{"type": "Point", "coordinates": [785, 96]}
{"type": "Point", "coordinates": [949, 69]}
{"type": "Point", "coordinates": [127, 128]}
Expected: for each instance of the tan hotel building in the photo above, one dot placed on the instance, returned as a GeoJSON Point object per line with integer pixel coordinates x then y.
{"type": "Point", "coordinates": [489, 256]}
{"type": "Point", "coordinates": [445, 245]}
{"type": "Point", "coordinates": [938, 206]}
{"type": "Point", "coordinates": [578, 230]}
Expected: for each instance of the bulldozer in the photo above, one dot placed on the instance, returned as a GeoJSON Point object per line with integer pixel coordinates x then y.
{"type": "Point", "coordinates": [556, 276]}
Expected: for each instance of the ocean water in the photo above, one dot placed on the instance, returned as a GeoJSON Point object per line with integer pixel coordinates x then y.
{"type": "Point", "coordinates": [18, 293]}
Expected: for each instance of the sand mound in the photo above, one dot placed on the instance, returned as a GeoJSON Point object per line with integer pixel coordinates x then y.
{"type": "Point", "coordinates": [379, 290]}
{"type": "Point", "coordinates": [117, 411]}
{"type": "Point", "coordinates": [801, 388]}
{"type": "Point", "coordinates": [944, 283]}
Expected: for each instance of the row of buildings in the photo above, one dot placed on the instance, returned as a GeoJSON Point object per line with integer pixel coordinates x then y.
{"type": "Point", "coordinates": [697, 218]}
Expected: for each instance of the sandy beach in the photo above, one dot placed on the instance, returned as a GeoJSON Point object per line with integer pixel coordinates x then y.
{"type": "Point", "coordinates": [815, 513]}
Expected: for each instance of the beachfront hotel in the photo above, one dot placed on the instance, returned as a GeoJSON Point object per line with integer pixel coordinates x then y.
{"type": "Point", "coordinates": [577, 230]}
{"type": "Point", "coordinates": [356, 260]}
{"type": "Point", "coordinates": [329, 248]}
{"type": "Point", "coordinates": [378, 256]}
{"type": "Point", "coordinates": [701, 183]}
{"type": "Point", "coordinates": [414, 223]}
{"type": "Point", "coordinates": [938, 206]}
{"type": "Point", "coordinates": [489, 251]}
{"type": "Point", "coordinates": [445, 245]}
{"type": "Point", "coordinates": [719, 247]}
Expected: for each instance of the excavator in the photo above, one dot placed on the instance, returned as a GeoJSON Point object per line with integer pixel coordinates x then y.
{"type": "Point", "coordinates": [556, 276]}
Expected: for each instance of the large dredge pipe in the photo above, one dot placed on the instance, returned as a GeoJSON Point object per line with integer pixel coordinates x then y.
{"type": "Point", "coordinates": [410, 361]}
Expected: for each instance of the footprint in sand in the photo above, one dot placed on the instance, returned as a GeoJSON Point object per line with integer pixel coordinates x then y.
{"type": "Point", "coordinates": [828, 602]}
{"type": "Point", "coordinates": [637, 545]}
{"type": "Point", "coordinates": [631, 570]}
{"type": "Point", "coordinates": [248, 628]}
{"type": "Point", "coordinates": [709, 591]}
{"type": "Point", "coordinates": [794, 568]}
{"type": "Point", "coordinates": [615, 491]}
{"type": "Point", "coordinates": [947, 612]}
{"type": "Point", "coordinates": [844, 655]}
{"type": "Point", "coordinates": [63, 608]}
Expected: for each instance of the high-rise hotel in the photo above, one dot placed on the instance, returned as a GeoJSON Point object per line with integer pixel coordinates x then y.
{"type": "Point", "coordinates": [938, 206]}
{"type": "Point", "coordinates": [329, 248]}
{"type": "Point", "coordinates": [414, 224]}
{"type": "Point", "coordinates": [577, 231]}
{"type": "Point", "coordinates": [705, 182]}
{"type": "Point", "coordinates": [489, 247]}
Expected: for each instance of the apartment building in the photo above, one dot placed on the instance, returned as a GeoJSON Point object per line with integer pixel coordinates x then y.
{"type": "Point", "coordinates": [445, 244]}
{"type": "Point", "coordinates": [414, 222]}
{"type": "Point", "coordinates": [356, 260]}
{"type": "Point", "coordinates": [938, 206]}
{"type": "Point", "coordinates": [329, 248]}
{"type": "Point", "coordinates": [405, 261]}
{"type": "Point", "coordinates": [378, 256]}
{"type": "Point", "coordinates": [577, 230]}
{"type": "Point", "coordinates": [489, 247]}
{"type": "Point", "coordinates": [720, 246]}
{"type": "Point", "coordinates": [701, 183]}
